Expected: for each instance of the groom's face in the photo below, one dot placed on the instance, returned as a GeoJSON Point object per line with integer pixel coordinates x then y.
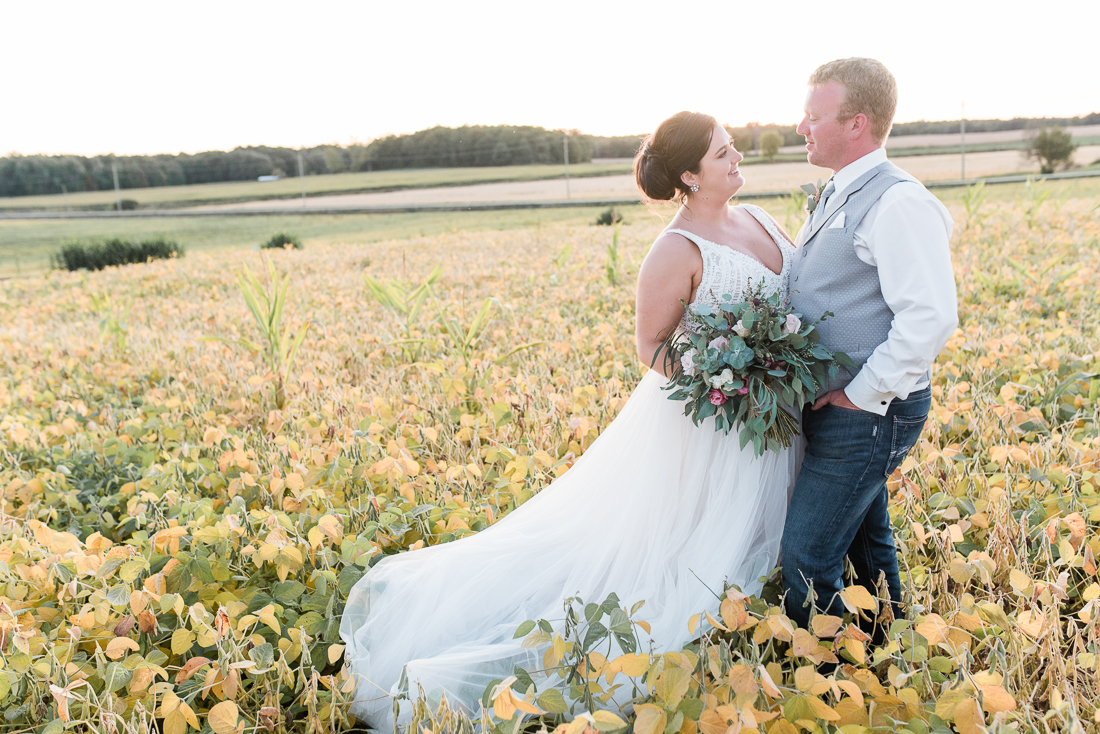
{"type": "Point", "coordinates": [826, 137]}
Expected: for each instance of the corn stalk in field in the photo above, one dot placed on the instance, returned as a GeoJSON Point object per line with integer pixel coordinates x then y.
{"type": "Point", "coordinates": [266, 305]}
{"type": "Point", "coordinates": [405, 301]}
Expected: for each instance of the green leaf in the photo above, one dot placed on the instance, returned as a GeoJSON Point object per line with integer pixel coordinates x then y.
{"type": "Point", "coordinates": [552, 701]}
{"type": "Point", "coordinates": [116, 677]}
{"type": "Point", "coordinates": [288, 592]}
{"type": "Point", "coordinates": [119, 595]}
{"type": "Point", "coordinates": [596, 632]}
{"type": "Point", "coordinates": [348, 576]}
{"type": "Point", "coordinates": [132, 569]}
{"type": "Point", "coordinates": [524, 629]}
{"type": "Point", "coordinates": [263, 655]}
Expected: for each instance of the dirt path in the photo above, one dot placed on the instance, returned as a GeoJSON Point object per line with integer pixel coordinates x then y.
{"type": "Point", "coordinates": [758, 178]}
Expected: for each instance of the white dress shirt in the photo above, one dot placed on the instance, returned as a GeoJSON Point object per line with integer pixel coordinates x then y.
{"type": "Point", "coordinates": [906, 235]}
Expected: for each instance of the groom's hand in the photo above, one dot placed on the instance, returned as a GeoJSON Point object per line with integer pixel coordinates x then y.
{"type": "Point", "coordinates": [837, 398]}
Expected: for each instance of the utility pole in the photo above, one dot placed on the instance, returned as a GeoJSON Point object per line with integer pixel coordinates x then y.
{"type": "Point", "coordinates": [118, 193]}
{"type": "Point", "coordinates": [565, 148]}
{"type": "Point", "coordinates": [962, 136]}
{"type": "Point", "coordinates": [65, 193]}
{"type": "Point", "coordinates": [302, 178]}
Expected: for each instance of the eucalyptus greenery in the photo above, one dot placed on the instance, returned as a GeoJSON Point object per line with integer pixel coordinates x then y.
{"type": "Point", "coordinates": [745, 363]}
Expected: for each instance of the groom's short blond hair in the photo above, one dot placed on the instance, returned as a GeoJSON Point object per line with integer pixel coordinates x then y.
{"type": "Point", "coordinates": [869, 88]}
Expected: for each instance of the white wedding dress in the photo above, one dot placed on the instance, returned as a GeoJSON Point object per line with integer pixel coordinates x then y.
{"type": "Point", "coordinates": [657, 509]}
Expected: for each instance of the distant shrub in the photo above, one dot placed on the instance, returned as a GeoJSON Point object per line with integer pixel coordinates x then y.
{"type": "Point", "coordinates": [609, 217]}
{"type": "Point", "coordinates": [99, 255]}
{"type": "Point", "coordinates": [770, 143]}
{"type": "Point", "coordinates": [129, 204]}
{"type": "Point", "coordinates": [1052, 147]}
{"type": "Point", "coordinates": [282, 240]}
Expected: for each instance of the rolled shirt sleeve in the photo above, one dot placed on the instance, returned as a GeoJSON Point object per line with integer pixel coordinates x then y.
{"type": "Point", "coordinates": [908, 239]}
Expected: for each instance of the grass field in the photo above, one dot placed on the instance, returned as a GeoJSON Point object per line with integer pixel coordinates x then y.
{"type": "Point", "coordinates": [339, 183]}
{"type": "Point", "coordinates": [27, 245]}
{"type": "Point", "coordinates": [176, 547]}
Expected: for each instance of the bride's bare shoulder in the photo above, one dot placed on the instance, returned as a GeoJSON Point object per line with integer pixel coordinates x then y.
{"type": "Point", "coordinates": [672, 244]}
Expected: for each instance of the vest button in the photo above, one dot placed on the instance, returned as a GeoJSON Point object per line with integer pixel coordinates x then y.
{"type": "Point", "coordinates": [884, 402]}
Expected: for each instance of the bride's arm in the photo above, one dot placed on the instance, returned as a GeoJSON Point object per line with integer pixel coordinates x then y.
{"type": "Point", "coordinates": [670, 272]}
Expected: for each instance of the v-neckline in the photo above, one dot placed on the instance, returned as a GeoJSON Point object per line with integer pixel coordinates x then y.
{"type": "Point", "coordinates": [742, 253]}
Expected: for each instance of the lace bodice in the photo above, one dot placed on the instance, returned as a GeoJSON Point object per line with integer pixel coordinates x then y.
{"type": "Point", "coordinates": [726, 270]}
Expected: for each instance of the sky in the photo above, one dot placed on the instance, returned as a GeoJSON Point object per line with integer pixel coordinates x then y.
{"type": "Point", "coordinates": [147, 77]}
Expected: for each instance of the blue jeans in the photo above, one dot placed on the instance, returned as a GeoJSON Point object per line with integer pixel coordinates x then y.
{"type": "Point", "coordinates": [840, 504]}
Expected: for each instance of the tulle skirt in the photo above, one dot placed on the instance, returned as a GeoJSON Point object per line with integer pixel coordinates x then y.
{"type": "Point", "coordinates": [658, 509]}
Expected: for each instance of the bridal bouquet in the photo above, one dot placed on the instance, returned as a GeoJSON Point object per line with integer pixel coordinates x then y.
{"type": "Point", "coordinates": [744, 363]}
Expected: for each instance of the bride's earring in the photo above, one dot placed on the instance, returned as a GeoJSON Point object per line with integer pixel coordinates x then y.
{"type": "Point", "coordinates": [694, 188]}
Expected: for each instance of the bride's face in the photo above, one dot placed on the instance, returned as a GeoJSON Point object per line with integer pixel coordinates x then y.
{"type": "Point", "coordinates": [719, 176]}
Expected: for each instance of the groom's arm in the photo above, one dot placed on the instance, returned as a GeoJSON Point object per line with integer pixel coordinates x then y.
{"type": "Point", "coordinates": [908, 239]}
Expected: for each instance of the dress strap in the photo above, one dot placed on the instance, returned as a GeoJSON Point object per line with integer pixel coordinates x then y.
{"type": "Point", "coordinates": [702, 244]}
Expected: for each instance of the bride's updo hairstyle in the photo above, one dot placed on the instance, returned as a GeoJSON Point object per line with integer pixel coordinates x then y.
{"type": "Point", "coordinates": [677, 145]}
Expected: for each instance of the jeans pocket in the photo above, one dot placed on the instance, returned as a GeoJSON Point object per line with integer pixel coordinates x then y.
{"type": "Point", "coordinates": [906, 431]}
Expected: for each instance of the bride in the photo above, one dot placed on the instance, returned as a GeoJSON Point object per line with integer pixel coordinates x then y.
{"type": "Point", "coordinates": [657, 509]}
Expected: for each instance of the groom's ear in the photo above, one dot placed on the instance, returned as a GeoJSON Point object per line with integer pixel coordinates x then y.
{"type": "Point", "coordinates": [858, 126]}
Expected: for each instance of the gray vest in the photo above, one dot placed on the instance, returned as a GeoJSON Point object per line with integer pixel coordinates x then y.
{"type": "Point", "coordinates": [828, 276]}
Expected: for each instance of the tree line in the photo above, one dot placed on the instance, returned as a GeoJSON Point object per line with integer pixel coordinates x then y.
{"type": "Point", "coordinates": [437, 147]}
{"type": "Point", "coordinates": [500, 145]}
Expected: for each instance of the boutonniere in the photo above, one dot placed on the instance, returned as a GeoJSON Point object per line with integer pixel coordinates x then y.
{"type": "Point", "coordinates": [813, 195]}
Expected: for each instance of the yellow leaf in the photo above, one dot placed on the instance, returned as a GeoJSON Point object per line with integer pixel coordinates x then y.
{"type": "Point", "coordinates": [693, 623]}
{"type": "Point", "coordinates": [1021, 583]}
{"type": "Point", "coordinates": [949, 701]}
{"type": "Point", "coordinates": [632, 664]}
{"type": "Point", "coordinates": [968, 717]}
{"type": "Point", "coordinates": [649, 719]}
{"type": "Point", "coordinates": [334, 653]}
{"type": "Point", "coordinates": [1030, 623]}
{"type": "Point", "coordinates": [712, 723]}
{"type": "Point", "coordinates": [857, 597]}
{"type": "Point", "coordinates": [169, 702]}
{"type": "Point", "coordinates": [852, 690]}
{"type": "Point", "coordinates": [610, 721]}
{"type": "Point", "coordinates": [996, 699]}
{"type": "Point", "coordinates": [825, 625]}
{"type": "Point", "coordinates": [1091, 592]}
{"type": "Point", "coordinates": [672, 684]}
{"type": "Point", "coordinates": [821, 710]}
{"type": "Point", "coordinates": [933, 628]}
{"type": "Point", "coordinates": [767, 684]}
{"type": "Point", "coordinates": [189, 716]}
{"type": "Point", "coordinates": [175, 723]}
{"type": "Point", "coordinates": [182, 639]}
{"type": "Point", "coordinates": [223, 718]}
{"type": "Point", "coordinates": [804, 678]}
{"type": "Point", "coordinates": [117, 647]}
{"type": "Point", "coordinates": [803, 644]}
{"type": "Point", "coordinates": [742, 681]}
{"type": "Point", "coordinates": [855, 649]}
{"type": "Point", "coordinates": [331, 526]}
{"type": "Point", "coordinates": [267, 616]}
{"type": "Point", "coordinates": [715, 622]}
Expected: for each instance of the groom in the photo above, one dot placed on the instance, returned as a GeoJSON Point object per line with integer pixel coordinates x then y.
{"type": "Point", "coordinates": [875, 253]}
